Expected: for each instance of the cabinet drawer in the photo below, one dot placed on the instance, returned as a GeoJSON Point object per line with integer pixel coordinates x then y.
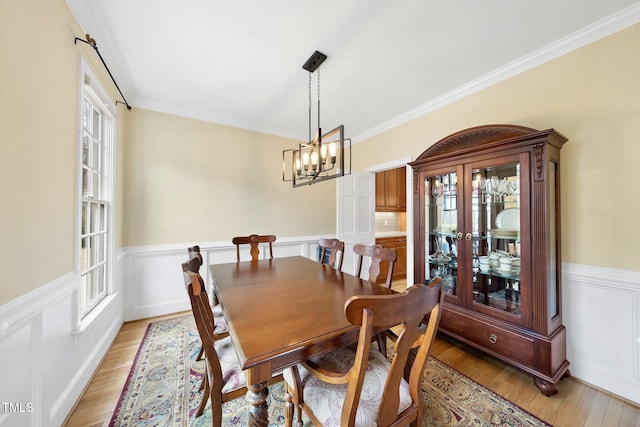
{"type": "Point", "coordinates": [490, 337]}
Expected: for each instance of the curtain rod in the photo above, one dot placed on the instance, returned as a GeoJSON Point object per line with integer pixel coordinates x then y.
{"type": "Point", "coordinates": [92, 42]}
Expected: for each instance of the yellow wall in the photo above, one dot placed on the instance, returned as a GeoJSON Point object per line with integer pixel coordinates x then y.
{"type": "Point", "coordinates": [180, 180]}
{"type": "Point", "coordinates": [177, 180]}
{"type": "Point", "coordinates": [192, 181]}
{"type": "Point", "coordinates": [592, 96]}
{"type": "Point", "coordinates": [39, 83]}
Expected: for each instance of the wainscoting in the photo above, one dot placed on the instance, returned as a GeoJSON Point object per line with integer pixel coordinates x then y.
{"type": "Point", "coordinates": [47, 355]}
{"type": "Point", "coordinates": [42, 342]}
{"type": "Point", "coordinates": [155, 285]}
{"type": "Point", "coordinates": [602, 316]}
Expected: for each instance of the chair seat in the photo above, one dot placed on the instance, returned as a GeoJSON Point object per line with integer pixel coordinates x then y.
{"type": "Point", "coordinates": [325, 400]}
{"type": "Point", "coordinates": [219, 322]}
{"type": "Point", "coordinates": [232, 376]}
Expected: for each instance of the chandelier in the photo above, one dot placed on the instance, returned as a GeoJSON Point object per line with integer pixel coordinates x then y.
{"type": "Point", "coordinates": [323, 156]}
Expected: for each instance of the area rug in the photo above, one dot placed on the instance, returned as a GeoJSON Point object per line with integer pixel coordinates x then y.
{"type": "Point", "coordinates": [162, 389]}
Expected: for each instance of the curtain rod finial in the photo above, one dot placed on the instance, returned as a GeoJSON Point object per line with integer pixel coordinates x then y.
{"type": "Point", "coordinates": [91, 41]}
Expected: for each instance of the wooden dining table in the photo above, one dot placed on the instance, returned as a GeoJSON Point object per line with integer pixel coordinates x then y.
{"type": "Point", "coordinates": [282, 311]}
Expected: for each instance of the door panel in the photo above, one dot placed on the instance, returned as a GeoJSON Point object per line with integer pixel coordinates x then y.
{"type": "Point", "coordinates": [356, 214]}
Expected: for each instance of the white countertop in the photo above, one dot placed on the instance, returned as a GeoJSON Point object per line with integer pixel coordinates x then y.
{"type": "Point", "coordinates": [383, 234]}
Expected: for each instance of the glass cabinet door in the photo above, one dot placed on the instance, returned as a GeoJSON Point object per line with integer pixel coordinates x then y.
{"type": "Point", "coordinates": [440, 227]}
{"type": "Point", "coordinates": [495, 226]}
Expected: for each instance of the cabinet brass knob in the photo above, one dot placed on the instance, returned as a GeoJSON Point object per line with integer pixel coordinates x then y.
{"type": "Point", "coordinates": [493, 338]}
{"type": "Point", "coordinates": [459, 235]}
{"type": "Point", "coordinates": [468, 236]}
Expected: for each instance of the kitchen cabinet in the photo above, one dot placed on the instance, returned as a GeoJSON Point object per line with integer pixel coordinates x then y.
{"type": "Point", "coordinates": [399, 243]}
{"type": "Point", "coordinates": [391, 190]}
{"type": "Point", "coordinates": [487, 220]}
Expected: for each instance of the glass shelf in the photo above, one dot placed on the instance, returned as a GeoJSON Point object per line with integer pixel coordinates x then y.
{"type": "Point", "coordinates": [496, 273]}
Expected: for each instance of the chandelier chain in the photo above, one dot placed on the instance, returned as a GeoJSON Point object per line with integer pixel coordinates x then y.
{"type": "Point", "coordinates": [318, 103]}
{"type": "Point", "coordinates": [309, 106]}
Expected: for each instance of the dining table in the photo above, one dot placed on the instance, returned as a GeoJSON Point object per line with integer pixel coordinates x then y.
{"type": "Point", "coordinates": [281, 312]}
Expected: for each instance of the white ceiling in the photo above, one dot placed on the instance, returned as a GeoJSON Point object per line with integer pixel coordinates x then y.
{"type": "Point", "coordinates": [239, 63]}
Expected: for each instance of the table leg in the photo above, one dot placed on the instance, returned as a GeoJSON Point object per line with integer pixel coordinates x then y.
{"type": "Point", "coordinates": [258, 408]}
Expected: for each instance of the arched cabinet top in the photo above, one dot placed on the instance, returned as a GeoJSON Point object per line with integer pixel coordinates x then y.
{"type": "Point", "coordinates": [488, 136]}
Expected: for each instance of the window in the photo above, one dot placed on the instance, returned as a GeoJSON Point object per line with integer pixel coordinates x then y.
{"type": "Point", "coordinates": [96, 152]}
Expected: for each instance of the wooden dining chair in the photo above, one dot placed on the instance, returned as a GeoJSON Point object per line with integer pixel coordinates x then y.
{"type": "Point", "coordinates": [335, 248]}
{"type": "Point", "coordinates": [224, 380]}
{"type": "Point", "coordinates": [378, 254]}
{"type": "Point", "coordinates": [254, 241]}
{"type": "Point", "coordinates": [216, 316]}
{"type": "Point", "coordinates": [371, 390]}
{"type": "Point", "coordinates": [195, 256]}
{"type": "Point", "coordinates": [194, 252]}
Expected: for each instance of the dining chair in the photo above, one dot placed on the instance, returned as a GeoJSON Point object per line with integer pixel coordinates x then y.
{"type": "Point", "coordinates": [224, 380]}
{"type": "Point", "coordinates": [335, 248]}
{"type": "Point", "coordinates": [217, 317]}
{"type": "Point", "coordinates": [254, 241]}
{"type": "Point", "coordinates": [195, 255]}
{"type": "Point", "coordinates": [378, 254]}
{"type": "Point", "coordinates": [194, 252]}
{"type": "Point", "coordinates": [358, 385]}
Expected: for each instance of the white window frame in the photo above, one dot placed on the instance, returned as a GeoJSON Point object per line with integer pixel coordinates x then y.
{"type": "Point", "coordinates": [91, 89]}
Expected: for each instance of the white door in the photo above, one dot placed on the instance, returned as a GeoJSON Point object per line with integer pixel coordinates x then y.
{"type": "Point", "coordinates": [356, 215]}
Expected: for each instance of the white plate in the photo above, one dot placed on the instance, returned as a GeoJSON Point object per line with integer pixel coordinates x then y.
{"type": "Point", "coordinates": [508, 219]}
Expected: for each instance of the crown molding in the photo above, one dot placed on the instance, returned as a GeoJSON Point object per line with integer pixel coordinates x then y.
{"type": "Point", "coordinates": [594, 32]}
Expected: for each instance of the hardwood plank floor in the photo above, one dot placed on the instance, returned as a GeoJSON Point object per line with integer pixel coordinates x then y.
{"type": "Point", "coordinates": [95, 407]}
{"type": "Point", "coordinates": [576, 404]}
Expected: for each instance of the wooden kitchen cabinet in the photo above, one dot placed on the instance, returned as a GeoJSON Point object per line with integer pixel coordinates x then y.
{"type": "Point", "coordinates": [487, 220]}
{"type": "Point", "coordinates": [391, 190]}
{"type": "Point", "coordinates": [399, 243]}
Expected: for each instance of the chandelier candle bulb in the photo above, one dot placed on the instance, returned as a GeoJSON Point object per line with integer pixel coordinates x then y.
{"type": "Point", "coordinates": [333, 150]}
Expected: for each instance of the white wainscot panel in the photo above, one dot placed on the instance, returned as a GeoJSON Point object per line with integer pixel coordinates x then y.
{"type": "Point", "coordinates": [153, 281]}
{"type": "Point", "coordinates": [47, 356]}
{"type": "Point", "coordinates": [600, 311]}
{"type": "Point", "coordinates": [154, 284]}
{"type": "Point", "coordinates": [16, 358]}
{"type": "Point", "coordinates": [70, 357]}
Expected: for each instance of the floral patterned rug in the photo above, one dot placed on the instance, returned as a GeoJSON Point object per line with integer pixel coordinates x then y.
{"type": "Point", "coordinates": [163, 389]}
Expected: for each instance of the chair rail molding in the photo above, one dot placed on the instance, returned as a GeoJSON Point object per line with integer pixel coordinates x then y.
{"type": "Point", "coordinates": [16, 313]}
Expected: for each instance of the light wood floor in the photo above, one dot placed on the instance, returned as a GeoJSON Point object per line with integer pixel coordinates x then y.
{"type": "Point", "coordinates": [575, 405]}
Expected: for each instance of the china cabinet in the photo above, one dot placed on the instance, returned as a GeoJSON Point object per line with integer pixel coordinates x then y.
{"type": "Point", "coordinates": [487, 220]}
